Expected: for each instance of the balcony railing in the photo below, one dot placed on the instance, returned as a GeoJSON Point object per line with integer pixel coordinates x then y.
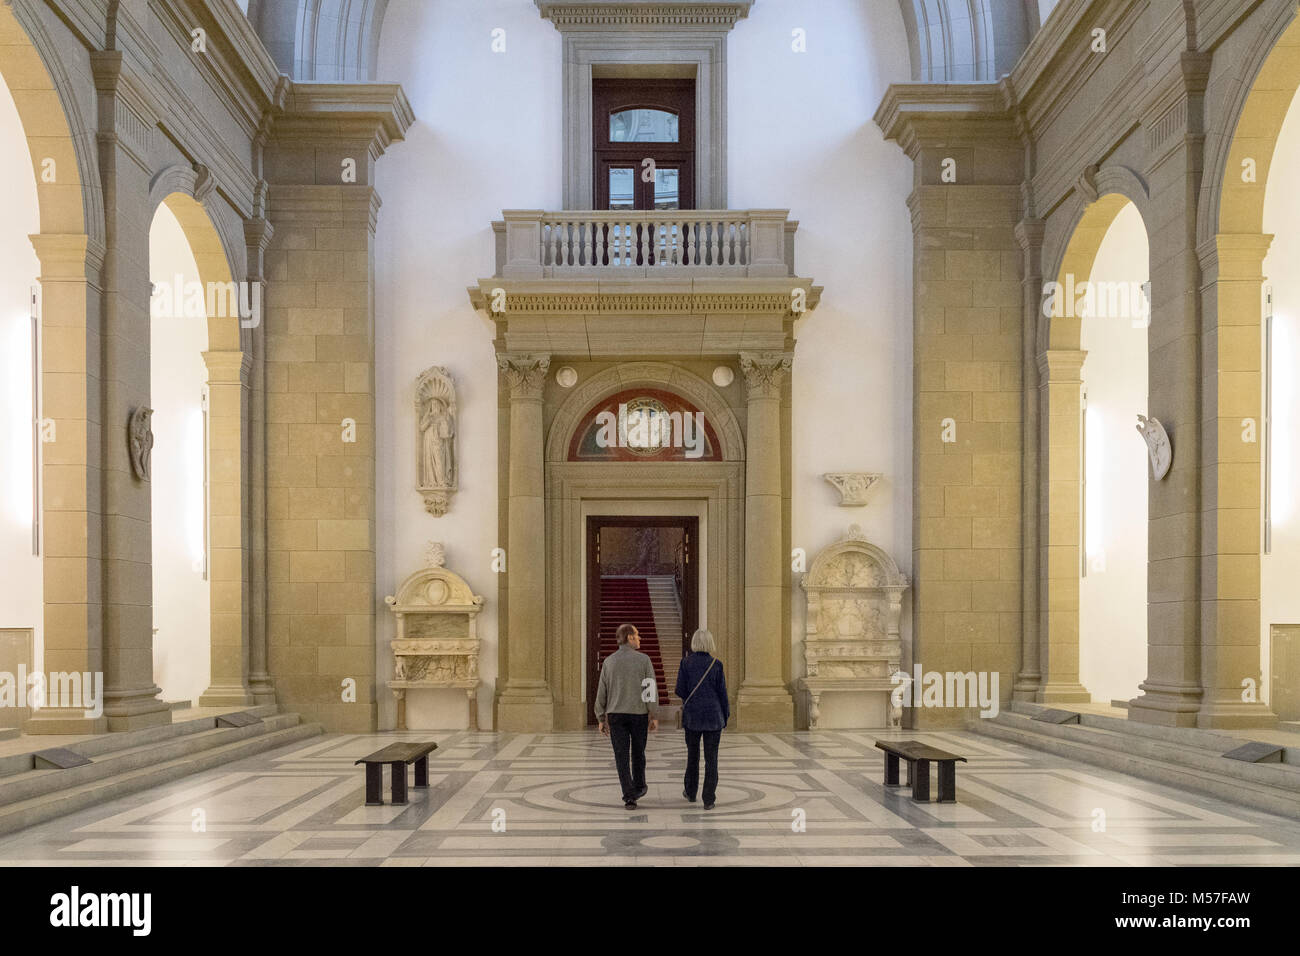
{"type": "Point", "coordinates": [532, 244]}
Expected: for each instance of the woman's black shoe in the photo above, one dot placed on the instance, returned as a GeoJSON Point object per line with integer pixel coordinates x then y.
{"type": "Point", "coordinates": [688, 796]}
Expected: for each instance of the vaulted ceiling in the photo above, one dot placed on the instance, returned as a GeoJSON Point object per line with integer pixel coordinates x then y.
{"type": "Point", "coordinates": [950, 41]}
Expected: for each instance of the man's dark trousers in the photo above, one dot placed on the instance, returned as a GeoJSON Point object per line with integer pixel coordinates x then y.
{"type": "Point", "coordinates": [711, 738]}
{"type": "Point", "coordinates": [629, 731]}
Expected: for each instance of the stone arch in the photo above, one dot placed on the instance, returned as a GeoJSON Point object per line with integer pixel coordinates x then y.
{"type": "Point", "coordinates": [185, 190]}
{"type": "Point", "coordinates": [658, 374]}
{"type": "Point", "coordinates": [1256, 108]}
{"type": "Point", "coordinates": [42, 91]}
{"type": "Point", "coordinates": [1091, 211]}
{"type": "Point", "coordinates": [966, 40]}
{"type": "Point", "coordinates": [321, 39]}
{"type": "Point", "coordinates": [217, 251]}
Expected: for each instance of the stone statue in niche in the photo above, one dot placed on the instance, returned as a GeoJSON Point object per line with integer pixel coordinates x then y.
{"type": "Point", "coordinates": [435, 407]}
{"type": "Point", "coordinates": [1158, 447]}
{"type": "Point", "coordinates": [139, 436]}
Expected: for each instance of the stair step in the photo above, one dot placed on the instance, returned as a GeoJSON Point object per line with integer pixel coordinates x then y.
{"type": "Point", "coordinates": [34, 783]}
{"type": "Point", "coordinates": [26, 813]}
{"type": "Point", "coordinates": [1175, 767]}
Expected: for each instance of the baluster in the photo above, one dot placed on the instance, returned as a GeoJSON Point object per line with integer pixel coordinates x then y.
{"type": "Point", "coordinates": [717, 242]}
{"type": "Point", "coordinates": [690, 243]}
{"type": "Point", "coordinates": [552, 242]}
{"type": "Point", "coordinates": [586, 242]}
{"type": "Point", "coordinates": [742, 230]}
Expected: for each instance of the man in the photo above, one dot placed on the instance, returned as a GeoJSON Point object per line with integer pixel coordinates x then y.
{"type": "Point", "coordinates": [627, 701]}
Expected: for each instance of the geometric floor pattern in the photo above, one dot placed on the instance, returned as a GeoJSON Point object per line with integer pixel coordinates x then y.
{"type": "Point", "coordinates": [553, 800]}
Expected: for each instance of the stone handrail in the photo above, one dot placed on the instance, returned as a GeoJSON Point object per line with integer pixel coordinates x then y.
{"type": "Point", "coordinates": [532, 244]}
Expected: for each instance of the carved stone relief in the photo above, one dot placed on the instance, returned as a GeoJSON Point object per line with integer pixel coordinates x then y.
{"type": "Point", "coordinates": [852, 486]}
{"type": "Point", "coordinates": [1158, 447]}
{"type": "Point", "coordinates": [139, 435]}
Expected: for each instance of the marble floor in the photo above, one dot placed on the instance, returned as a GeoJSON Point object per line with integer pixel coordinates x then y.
{"type": "Point", "coordinates": [790, 799]}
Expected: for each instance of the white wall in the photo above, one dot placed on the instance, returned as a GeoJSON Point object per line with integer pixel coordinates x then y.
{"type": "Point", "coordinates": [21, 584]}
{"type": "Point", "coordinates": [1113, 594]}
{"type": "Point", "coordinates": [1280, 570]}
{"type": "Point", "coordinates": [182, 663]}
{"type": "Point", "coordinates": [488, 137]}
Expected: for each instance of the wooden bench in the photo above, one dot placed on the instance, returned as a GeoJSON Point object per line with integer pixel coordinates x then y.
{"type": "Point", "coordinates": [918, 757]}
{"type": "Point", "coordinates": [399, 755]}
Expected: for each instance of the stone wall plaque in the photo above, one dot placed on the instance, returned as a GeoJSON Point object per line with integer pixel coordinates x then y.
{"type": "Point", "coordinates": [436, 647]}
{"type": "Point", "coordinates": [852, 642]}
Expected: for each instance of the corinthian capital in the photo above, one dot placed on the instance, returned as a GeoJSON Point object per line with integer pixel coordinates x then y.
{"type": "Point", "coordinates": [525, 373]}
{"type": "Point", "coordinates": [764, 372]}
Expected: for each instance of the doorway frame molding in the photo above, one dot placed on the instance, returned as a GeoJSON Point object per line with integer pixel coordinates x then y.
{"type": "Point", "coordinates": [570, 486]}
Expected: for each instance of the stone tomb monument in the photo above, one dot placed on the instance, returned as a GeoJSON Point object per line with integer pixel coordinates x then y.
{"type": "Point", "coordinates": [436, 647]}
{"type": "Point", "coordinates": [851, 642]}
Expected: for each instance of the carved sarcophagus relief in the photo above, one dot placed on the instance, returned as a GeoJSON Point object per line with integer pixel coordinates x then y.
{"type": "Point", "coordinates": [437, 645]}
{"type": "Point", "coordinates": [852, 641]}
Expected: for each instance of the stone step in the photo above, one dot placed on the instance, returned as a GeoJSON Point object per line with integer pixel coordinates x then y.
{"type": "Point", "coordinates": [105, 743]}
{"type": "Point", "coordinates": [1195, 757]}
{"type": "Point", "coordinates": [26, 813]}
{"type": "Point", "coordinates": [1210, 740]}
{"type": "Point", "coordinates": [1101, 752]}
{"type": "Point", "coordinates": [34, 783]}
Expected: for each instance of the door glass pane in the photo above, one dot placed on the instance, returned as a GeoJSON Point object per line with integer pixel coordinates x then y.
{"type": "Point", "coordinates": [622, 186]}
{"type": "Point", "coordinates": [643, 126]}
{"type": "Point", "coordinates": [666, 186]}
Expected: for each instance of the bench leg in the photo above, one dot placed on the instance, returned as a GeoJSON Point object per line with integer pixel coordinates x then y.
{"type": "Point", "coordinates": [399, 783]}
{"type": "Point", "coordinates": [909, 772]}
{"type": "Point", "coordinates": [921, 781]}
{"type": "Point", "coordinates": [891, 770]}
{"type": "Point", "coordinates": [422, 772]}
{"type": "Point", "coordinates": [947, 781]}
{"type": "Point", "coordinates": [374, 785]}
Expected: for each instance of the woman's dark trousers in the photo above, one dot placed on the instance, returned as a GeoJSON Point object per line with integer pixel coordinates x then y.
{"type": "Point", "coordinates": [711, 738]}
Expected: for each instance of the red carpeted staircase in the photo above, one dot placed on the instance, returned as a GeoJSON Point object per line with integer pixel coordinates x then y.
{"type": "Point", "coordinates": [627, 601]}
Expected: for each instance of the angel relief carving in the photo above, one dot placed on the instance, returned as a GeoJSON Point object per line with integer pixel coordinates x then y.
{"type": "Point", "coordinates": [435, 407]}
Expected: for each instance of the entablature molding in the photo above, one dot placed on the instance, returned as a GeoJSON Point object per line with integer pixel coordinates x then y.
{"type": "Point", "coordinates": [376, 114]}
{"type": "Point", "coordinates": [934, 115]}
{"type": "Point", "coordinates": [640, 14]}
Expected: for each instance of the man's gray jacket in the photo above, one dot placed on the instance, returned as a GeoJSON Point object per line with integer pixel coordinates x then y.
{"type": "Point", "coordinates": [626, 678]}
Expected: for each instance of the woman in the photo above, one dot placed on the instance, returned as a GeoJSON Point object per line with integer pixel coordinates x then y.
{"type": "Point", "coordinates": [705, 711]}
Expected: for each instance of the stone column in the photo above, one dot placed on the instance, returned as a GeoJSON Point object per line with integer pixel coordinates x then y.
{"type": "Point", "coordinates": [126, 124]}
{"type": "Point", "coordinates": [320, 396]}
{"type": "Point", "coordinates": [1029, 233]}
{"type": "Point", "coordinates": [1060, 418]}
{"type": "Point", "coordinates": [525, 703]}
{"type": "Point", "coordinates": [1232, 277]}
{"type": "Point", "coordinates": [70, 474]}
{"type": "Point", "coordinates": [968, 382]}
{"type": "Point", "coordinates": [1171, 693]}
{"type": "Point", "coordinates": [228, 487]}
{"type": "Point", "coordinates": [257, 235]}
{"type": "Point", "coordinates": [764, 701]}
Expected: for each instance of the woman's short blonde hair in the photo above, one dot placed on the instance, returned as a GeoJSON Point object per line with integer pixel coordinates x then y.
{"type": "Point", "coordinates": [702, 640]}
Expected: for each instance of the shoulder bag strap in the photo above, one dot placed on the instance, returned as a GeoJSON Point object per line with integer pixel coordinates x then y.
{"type": "Point", "coordinates": [701, 681]}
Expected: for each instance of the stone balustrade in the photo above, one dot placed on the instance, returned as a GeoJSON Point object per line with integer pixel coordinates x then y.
{"type": "Point", "coordinates": [533, 244]}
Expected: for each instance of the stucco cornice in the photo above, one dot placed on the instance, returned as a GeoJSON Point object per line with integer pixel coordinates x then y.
{"type": "Point", "coordinates": [639, 14]}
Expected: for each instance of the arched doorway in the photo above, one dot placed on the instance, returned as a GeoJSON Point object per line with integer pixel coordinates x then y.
{"type": "Point", "coordinates": [1113, 460]}
{"type": "Point", "coordinates": [179, 481]}
{"type": "Point", "coordinates": [1247, 240]}
{"type": "Point", "coordinates": [21, 585]}
{"type": "Point", "coordinates": [200, 371]}
{"type": "Point", "coordinates": [1279, 439]}
{"type": "Point", "coordinates": [1094, 480]}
